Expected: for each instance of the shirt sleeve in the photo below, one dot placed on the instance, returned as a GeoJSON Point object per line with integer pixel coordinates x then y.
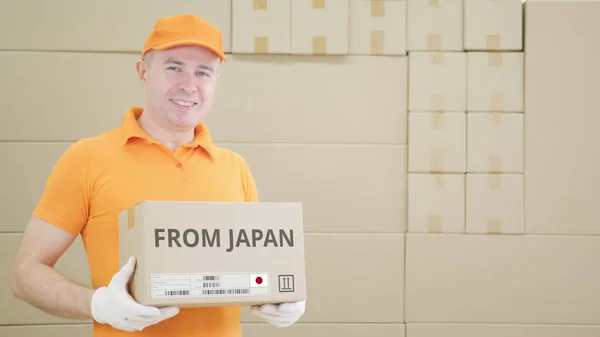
{"type": "Point", "coordinates": [66, 196]}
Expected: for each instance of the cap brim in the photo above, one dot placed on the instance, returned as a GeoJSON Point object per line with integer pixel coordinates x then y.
{"type": "Point", "coordinates": [188, 42]}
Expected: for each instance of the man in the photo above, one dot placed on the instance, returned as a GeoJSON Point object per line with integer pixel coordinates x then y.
{"type": "Point", "coordinates": [162, 151]}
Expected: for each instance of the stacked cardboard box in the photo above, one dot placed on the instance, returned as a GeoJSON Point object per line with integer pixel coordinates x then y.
{"type": "Point", "coordinates": [465, 116]}
{"type": "Point", "coordinates": [377, 27]}
{"type": "Point", "coordinates": [493, 25]}
{"type": "Point", "coordinates": [435, 25]}
{"type": "Point", "coordinates": [315, 27]}
{"type": "Point", "coordinates": [562, 189]}
{"type": "Point", "coordinates": [260, 26]}
{"type": "Point", "coordinates": [436, 117]}
{"type": "Point", "coordinates": [494, 180]}
{"type": "Point", "coordinates": [320, 27]}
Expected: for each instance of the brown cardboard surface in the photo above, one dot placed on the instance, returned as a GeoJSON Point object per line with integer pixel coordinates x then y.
{"type": "Point", "coordinates": [493, 25]}
{"type": "Point", "coordinates": [332, 182]}
{"type": "Point", "coordinates": [562, 157]}
{"type": "Point", "coordinates": [326, 330]}
{"type": "Point", "coordinates": [109, 73]}
{"type": "Point", "coordinates": [273, 112]}
{"type": "Point", "coordinates": [251, 253]}
{"type": "Point", "coordinates": [377, 27]}
{"type": "Point", "coordinates": [495, 81]}
{"type": "Point", "coordinates": [437, 81]}
{"type": "Point", "coordinates": [494, 203]}
{"type": "Point", "coordinates": [502, 279]}
{"type": "Point", "coordinates": [500, 330]}
{"type": "Point", "coordinates": [435, 25]}
{"type": "Point", "coordinates": [25, 168]}
{"type": "Point", "coordinates": [436, 203]}
{"type": "Point", "coordinates": [495, 142]}
{"type": "Point", "coordinates": [268, 22]}
{"type": "Point", "coordinates": [97, 23]}
{"type": "Point", "coordinates": [66, 330]}
{"type": "Point", "coordinates": [325, 20]}
{"type": "Point", "coordinates": [437, 142]}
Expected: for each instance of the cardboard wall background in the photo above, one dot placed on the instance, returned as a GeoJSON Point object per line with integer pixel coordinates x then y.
{"type": "Point", "coordinates": [392, 248]}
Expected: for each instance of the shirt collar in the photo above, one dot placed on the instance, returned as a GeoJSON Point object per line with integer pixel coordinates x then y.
{"type": "Point", "coordinates": [131, 130]}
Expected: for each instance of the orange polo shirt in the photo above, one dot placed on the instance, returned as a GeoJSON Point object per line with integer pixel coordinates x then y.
{"type": "Point", "coordinates": [98, 177]}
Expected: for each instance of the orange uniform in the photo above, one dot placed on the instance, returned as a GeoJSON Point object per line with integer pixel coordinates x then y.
{"type": "Point", "coordinates": [98, 177]}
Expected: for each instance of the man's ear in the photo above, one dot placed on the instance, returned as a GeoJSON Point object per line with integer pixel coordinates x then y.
{"type": "Point", "coordinates": [142, 71]}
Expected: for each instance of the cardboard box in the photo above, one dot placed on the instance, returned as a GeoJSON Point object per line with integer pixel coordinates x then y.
{"type": "Point", "coordinates": [76, 29]}
{"type": "Point", "coordinates": [437, 142]}
{"type": "Point", "coordinates": [509, 280]}
{"type": "Point", "coordinates": [377, 27]}
{"type": "Point", "coordinates": [493, 25]}
{"type": "Point", "coordinates": [494, 203]}
{"type": "Point", "coordinates": [436, 203]}
{"type": "Point", "coordinates": [320, 27]}
{"type": "Point", "coordinates": [562, 115]}
{"type": "Point", "coordinates": [437, 81]}
{"type": "Point", "coordinates": [495, 142]}
{"type": "Point", "coordinates": [435, 25]}
{"type": "Point", "coordinates": [526, 307]}
{"type": "Point", "coordinates": [261, 26]}
{"type": "Point", "coordinates": [214, 253]}
{"type": "Point", "coordinates": [495, 81]}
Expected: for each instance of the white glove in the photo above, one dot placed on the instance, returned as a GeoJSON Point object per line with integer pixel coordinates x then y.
{"type": "Point", "coordinates": [280, 315]}
{"type": "Point", "coordinates": [114, 305]}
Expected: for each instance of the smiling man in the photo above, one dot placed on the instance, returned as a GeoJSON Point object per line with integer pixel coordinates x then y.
{"type": "Point", "coordinates": [162, 151]}
{"type": "Point", "coordinates": [180, 78]}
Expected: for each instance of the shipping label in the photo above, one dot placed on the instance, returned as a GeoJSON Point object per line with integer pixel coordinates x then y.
{"type": "Point", "coordinates": [196, 285]}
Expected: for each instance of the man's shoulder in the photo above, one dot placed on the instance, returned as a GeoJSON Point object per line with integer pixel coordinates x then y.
{"type": "Point", "coordinates": [95, 144]}
{"type": "Point", "coordinates": [225, 154]}
{"type": "Point", "coordinates": [108, 138]}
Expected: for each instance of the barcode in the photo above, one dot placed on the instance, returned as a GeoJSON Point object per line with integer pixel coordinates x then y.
{"type": "Point", "coordinates": [176, 292]}
{"type": "Point", "coordinates": [210, 278]}
{"type": "Point", "coordinates": [225, 292]}
{"type": "Point", "coordinates": [211, 284]}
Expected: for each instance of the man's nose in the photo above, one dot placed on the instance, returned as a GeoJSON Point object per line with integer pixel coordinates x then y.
{"type": "Point", "coordinates": [188, 85]}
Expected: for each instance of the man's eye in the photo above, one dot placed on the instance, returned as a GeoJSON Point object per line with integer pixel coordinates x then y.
{"type": "Point", "coordinates": [201, 73]}
{"type": "Point", "coordinates": [172, 68]}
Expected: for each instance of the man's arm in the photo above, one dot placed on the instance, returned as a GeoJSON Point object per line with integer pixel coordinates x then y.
{"type": "Point", "coordinates": [35, 280]}
{"type": "Point", "coordinates": [61, 213]}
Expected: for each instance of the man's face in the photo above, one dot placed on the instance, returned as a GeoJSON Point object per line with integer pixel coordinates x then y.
{"type": "Point", "coordinates": [180, 85]}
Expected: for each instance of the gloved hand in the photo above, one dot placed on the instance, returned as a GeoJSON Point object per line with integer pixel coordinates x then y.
{"type": "Point", "coordinates": [280, 315]}
{"type": "Point", "coordinates": [114, 305]}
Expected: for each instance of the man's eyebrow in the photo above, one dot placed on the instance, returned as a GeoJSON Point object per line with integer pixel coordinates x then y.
{"type": "Point", "coordinates": [202, 66]}
{"type": "Point", "coordinates": [179, 63]}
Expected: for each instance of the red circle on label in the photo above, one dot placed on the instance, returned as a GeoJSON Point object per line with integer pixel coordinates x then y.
{"type": "Point", "coordinates": [259, 280]}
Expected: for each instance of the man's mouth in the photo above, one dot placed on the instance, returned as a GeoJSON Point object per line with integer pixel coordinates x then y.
{"type": "Point", "coordinates": [185, 104]}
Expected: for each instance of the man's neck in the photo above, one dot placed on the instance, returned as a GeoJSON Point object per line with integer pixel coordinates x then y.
{"type": "Point", "coordinates": [171, 139]}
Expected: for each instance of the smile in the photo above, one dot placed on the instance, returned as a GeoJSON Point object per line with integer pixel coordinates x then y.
{"type": "Point", "coordinates": [183, 103]}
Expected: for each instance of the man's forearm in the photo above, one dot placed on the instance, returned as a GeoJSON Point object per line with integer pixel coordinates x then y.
{"type": "Point", "coordinates": [46, 289]}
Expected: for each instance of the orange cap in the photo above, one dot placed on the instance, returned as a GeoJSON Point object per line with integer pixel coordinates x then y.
{"type": "Point", "coordinates": [185, 29]}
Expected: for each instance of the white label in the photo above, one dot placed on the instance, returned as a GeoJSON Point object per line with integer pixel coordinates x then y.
{"type": "Point", "coordinates": [175, 285]}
